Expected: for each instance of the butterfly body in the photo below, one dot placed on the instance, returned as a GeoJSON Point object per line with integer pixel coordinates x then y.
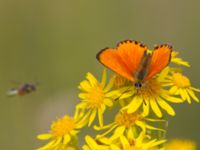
{"type": "Point", "coordinates": [142, 70]}
{"type": "Point", "coordinates": [132, 60]}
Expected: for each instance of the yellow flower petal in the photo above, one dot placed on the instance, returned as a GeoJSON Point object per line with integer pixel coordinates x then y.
{"type": "Point", "coordinates": [98, 128]}
{"type": "Point", "coordinates": [173, 89]}
{"type": "Point", "coordinates": [92, 116]}
{"type": "Point", "coordinates": [141, 124]}
{"type": "Point", "coordinates": [109, 85]}
{"type": "Point", "coordinates": [183, 93]}
{"type": "Point", "coordinates": [171, 98]}
{"type": "Point", "coordinates": [130, 134]}
{"type": "Point", "coordinates": [124, 142]}
{"type": "Point", "coordinates": [100, 117]}
{"type": "Point", "coordinates": [82, 95]}
{"type": "Point", "coordinates": [85, 147]}
{"type": "Point", "coordinates": [84, 120]}
{"type": "Point", "coordinates": [158, 142]}
{"type": "Point", "coordinates": [104, 77]}
{"type": "Point", "coordinates": [85, 86]}
{"type": "Point", "coordinates": [91, 142]}
{"type": "Point", "coordinates": [134, 104]}
{"type": "Point", "coordinates": [107, 132]}
{"type": "Point", "coordinates": [118, 132]}
{"type": "Point", "coordinates": [126, 95]}
{"type": "Point", "coordinates": [195, 89]}
{"type": "Point", "coordinates": [93, 81]}
{"type": "Point", "coordinates": [44, 136]}
{"type": "Point", "coordinates": [155, 120]}
{"type": "Point", "coordinates": [146, 108]}
{"type": "Point", "coordinates": [108, 102]}
{"type": "Point", "coordinates": [117, 93]}
{"type": "Point", "coordinates": [166, 107]}
{"type": "Point", "coordinates": [67, 138]}
{"type": "Point", "coordinates": [79, 113]}
{"type": "Point", "coordinates": [149, 144]}
{"type": "Point", "coordinates": [74, 132]}
{"type": "Point", "coordinates": [48, 145]}
{"type": "Point", "coordinates": [193, 95]}
{"type": "Point", "coordinates": [188, 97]}
{"type": "Point", "coordinates": [81, 106]}
{"type": "Point", "coordinates": [153, 128]}
{"type": "Point", "coordinates": [114, 147]}
{"type": "Point", "coordinates": [155, 108]}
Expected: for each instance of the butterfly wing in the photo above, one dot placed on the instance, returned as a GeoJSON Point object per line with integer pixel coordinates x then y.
{"type": "Point", "coordinates": [160, 58]}
{"type": "Point", "coordinates": [124, 59]}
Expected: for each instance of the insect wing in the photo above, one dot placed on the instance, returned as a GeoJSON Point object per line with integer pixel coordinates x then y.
{"type": "Point", "coordinates": [160, 58]}
{"type": "Point", "coordinates": [12, 92]}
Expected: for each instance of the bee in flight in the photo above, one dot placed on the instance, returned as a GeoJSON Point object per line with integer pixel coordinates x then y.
{"type": "Point", "coordinates": [23, 89]}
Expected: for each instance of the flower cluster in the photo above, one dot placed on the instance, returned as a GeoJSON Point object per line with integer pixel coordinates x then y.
{"type": "Point", "coordinates": [137, 116]}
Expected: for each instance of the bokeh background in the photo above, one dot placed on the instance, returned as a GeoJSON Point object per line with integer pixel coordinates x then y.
{"type": "Point", "coordinates": [55, 43]}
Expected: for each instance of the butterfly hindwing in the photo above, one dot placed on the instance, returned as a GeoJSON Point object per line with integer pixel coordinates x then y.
{"type": "Point", "coordinates": [124, 59]}
{"type": "Point", "coordinates": [159, 60]}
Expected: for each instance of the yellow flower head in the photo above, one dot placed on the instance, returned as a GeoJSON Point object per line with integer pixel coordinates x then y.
{"type": "Point", "coordinates": [95, 99]}
{"type": "Point", "coordinates": [62, 133]}
{"type": "Point", "coordinates": [179, 144]}
{"type": "Point", "coordinates": [128, 124]}
{"type": "Point", "coordinates": [180, 85]}
{"type": "Point", "coordinates": [62, 126]}
{"type": "Point", "coordinates": [152, 95]}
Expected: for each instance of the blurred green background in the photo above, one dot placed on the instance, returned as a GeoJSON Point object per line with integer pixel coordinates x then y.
{"type": "Point", "coordinates": [55, 43]}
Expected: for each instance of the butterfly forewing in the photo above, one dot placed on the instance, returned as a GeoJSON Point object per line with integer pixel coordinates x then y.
{"type": "Point", "coordinates": [111, 59]}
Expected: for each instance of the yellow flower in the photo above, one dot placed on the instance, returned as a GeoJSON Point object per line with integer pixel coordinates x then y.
{"type": "Point", "coordinates": [180, 85]}
{"type": "Point", "coordinates": [178, 61]}
{"type": "Point", "coordinates": [62, 135]}
{"type": "Point", "coordinates": [152, 95]}
{"type": "Point", "coordinates": [95, 99]}
{"type": "Point", "coordinates": [179, 144]}
{"type": "Point", "coordinates": [128, 124]}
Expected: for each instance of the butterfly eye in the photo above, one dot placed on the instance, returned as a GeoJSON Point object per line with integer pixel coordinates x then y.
{"type": "Point", "coordinates": [138, 85]}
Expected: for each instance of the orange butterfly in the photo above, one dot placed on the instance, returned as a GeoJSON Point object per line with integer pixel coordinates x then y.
{"type": "Point", "coordinates": [131, 60]}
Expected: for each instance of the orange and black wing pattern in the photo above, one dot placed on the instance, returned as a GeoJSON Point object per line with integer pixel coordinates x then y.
{"type": "Point", "coordinates": [160, 58]}
{"type": "Point", "coordinates": [124, 59]}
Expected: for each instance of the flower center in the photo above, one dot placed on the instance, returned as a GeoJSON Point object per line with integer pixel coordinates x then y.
{"type": "Point", "coordinates": [62, 126]}
{"type": "Point", "coordinates": [150, 89]}
{"type": "Point", "coordinates": [127, 120]}
{"type": "Point", "coordinates": [95, 97]}
{"type": "Point", "coordinates": [180, 80]}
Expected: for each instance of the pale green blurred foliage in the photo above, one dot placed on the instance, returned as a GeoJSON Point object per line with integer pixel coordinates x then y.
{"type": "Point", "coordinates": [55, 43]}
